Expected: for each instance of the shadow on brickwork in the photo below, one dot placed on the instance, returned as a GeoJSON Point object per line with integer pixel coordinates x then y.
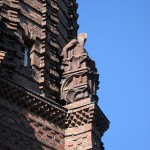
{"type": "Point", "coordinates": [17, 130]}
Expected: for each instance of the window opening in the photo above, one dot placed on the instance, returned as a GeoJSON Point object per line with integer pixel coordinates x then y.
{"type": "Point", "coordinates": [26, 56]}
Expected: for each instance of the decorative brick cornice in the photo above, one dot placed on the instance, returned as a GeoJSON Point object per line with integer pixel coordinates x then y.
{"type": "Point", "coordinates": [31, 101]}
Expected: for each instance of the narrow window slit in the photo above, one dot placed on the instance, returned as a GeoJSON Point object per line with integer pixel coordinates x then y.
{"type": "Point", "coordinates": [26, 56]}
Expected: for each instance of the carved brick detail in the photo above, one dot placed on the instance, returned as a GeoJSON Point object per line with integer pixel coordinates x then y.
{"type": "Point", "coordinates": [47, 87]}
{"type": "Point", "coordinates": [80, 77]}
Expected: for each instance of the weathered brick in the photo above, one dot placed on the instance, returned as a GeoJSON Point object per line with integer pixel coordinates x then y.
{"type": "Point", "coordinates": [48, 82]}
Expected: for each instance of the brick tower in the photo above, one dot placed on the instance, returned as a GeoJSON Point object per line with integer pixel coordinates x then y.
{"type": "Point", "coordinates": [48, 82]}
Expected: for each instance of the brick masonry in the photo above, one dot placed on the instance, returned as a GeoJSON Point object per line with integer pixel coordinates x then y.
{"type": "Point", "coordinates": [20, 129]}
{"type": "Point", "coordinates": [48, 83]}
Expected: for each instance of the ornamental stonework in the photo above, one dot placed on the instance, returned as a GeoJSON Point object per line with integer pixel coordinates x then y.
{"type": "Point", "coordinates": [80, 77]}
{"type": "Point", "coordinates": [48, 82]}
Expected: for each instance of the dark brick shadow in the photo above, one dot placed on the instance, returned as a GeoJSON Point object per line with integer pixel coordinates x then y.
{"type": "Point", "coordinates": [17, 131]}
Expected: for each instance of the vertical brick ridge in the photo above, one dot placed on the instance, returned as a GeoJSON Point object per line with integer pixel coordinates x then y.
{"type": "Point", "coordinates": [51, 68]}
{"type": "Point", "coordinates": [73, 16]}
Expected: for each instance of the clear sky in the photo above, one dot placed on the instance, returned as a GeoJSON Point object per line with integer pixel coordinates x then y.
{"type": "Point", "coordinates": [119, 42]}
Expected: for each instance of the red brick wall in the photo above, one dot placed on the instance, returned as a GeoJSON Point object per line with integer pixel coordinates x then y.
{"type": "Point", "coordinates": [21, 130]}
{"type": "Point", "coordinates": [79, 138]}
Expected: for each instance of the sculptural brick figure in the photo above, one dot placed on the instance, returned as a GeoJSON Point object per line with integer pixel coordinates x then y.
{"type": "Point", "coordinates": [80, 78]}
{"type": "Point", "coordinates": [48, 82]}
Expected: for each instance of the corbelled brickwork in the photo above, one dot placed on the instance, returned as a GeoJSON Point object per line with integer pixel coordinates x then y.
{"type": "Point", "coordinates": [21, 130]}
{"type": "Point", "coordinates": [85, 125]}
{"type": "Point", "coordinates": [48, 83]}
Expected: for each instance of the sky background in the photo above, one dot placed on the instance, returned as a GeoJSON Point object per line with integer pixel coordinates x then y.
{"type": "Point", "coordinates": [119, 42]}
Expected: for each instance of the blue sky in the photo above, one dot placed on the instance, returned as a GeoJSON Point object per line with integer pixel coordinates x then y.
{"type": "Point", "coordinates": [119, 42]}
